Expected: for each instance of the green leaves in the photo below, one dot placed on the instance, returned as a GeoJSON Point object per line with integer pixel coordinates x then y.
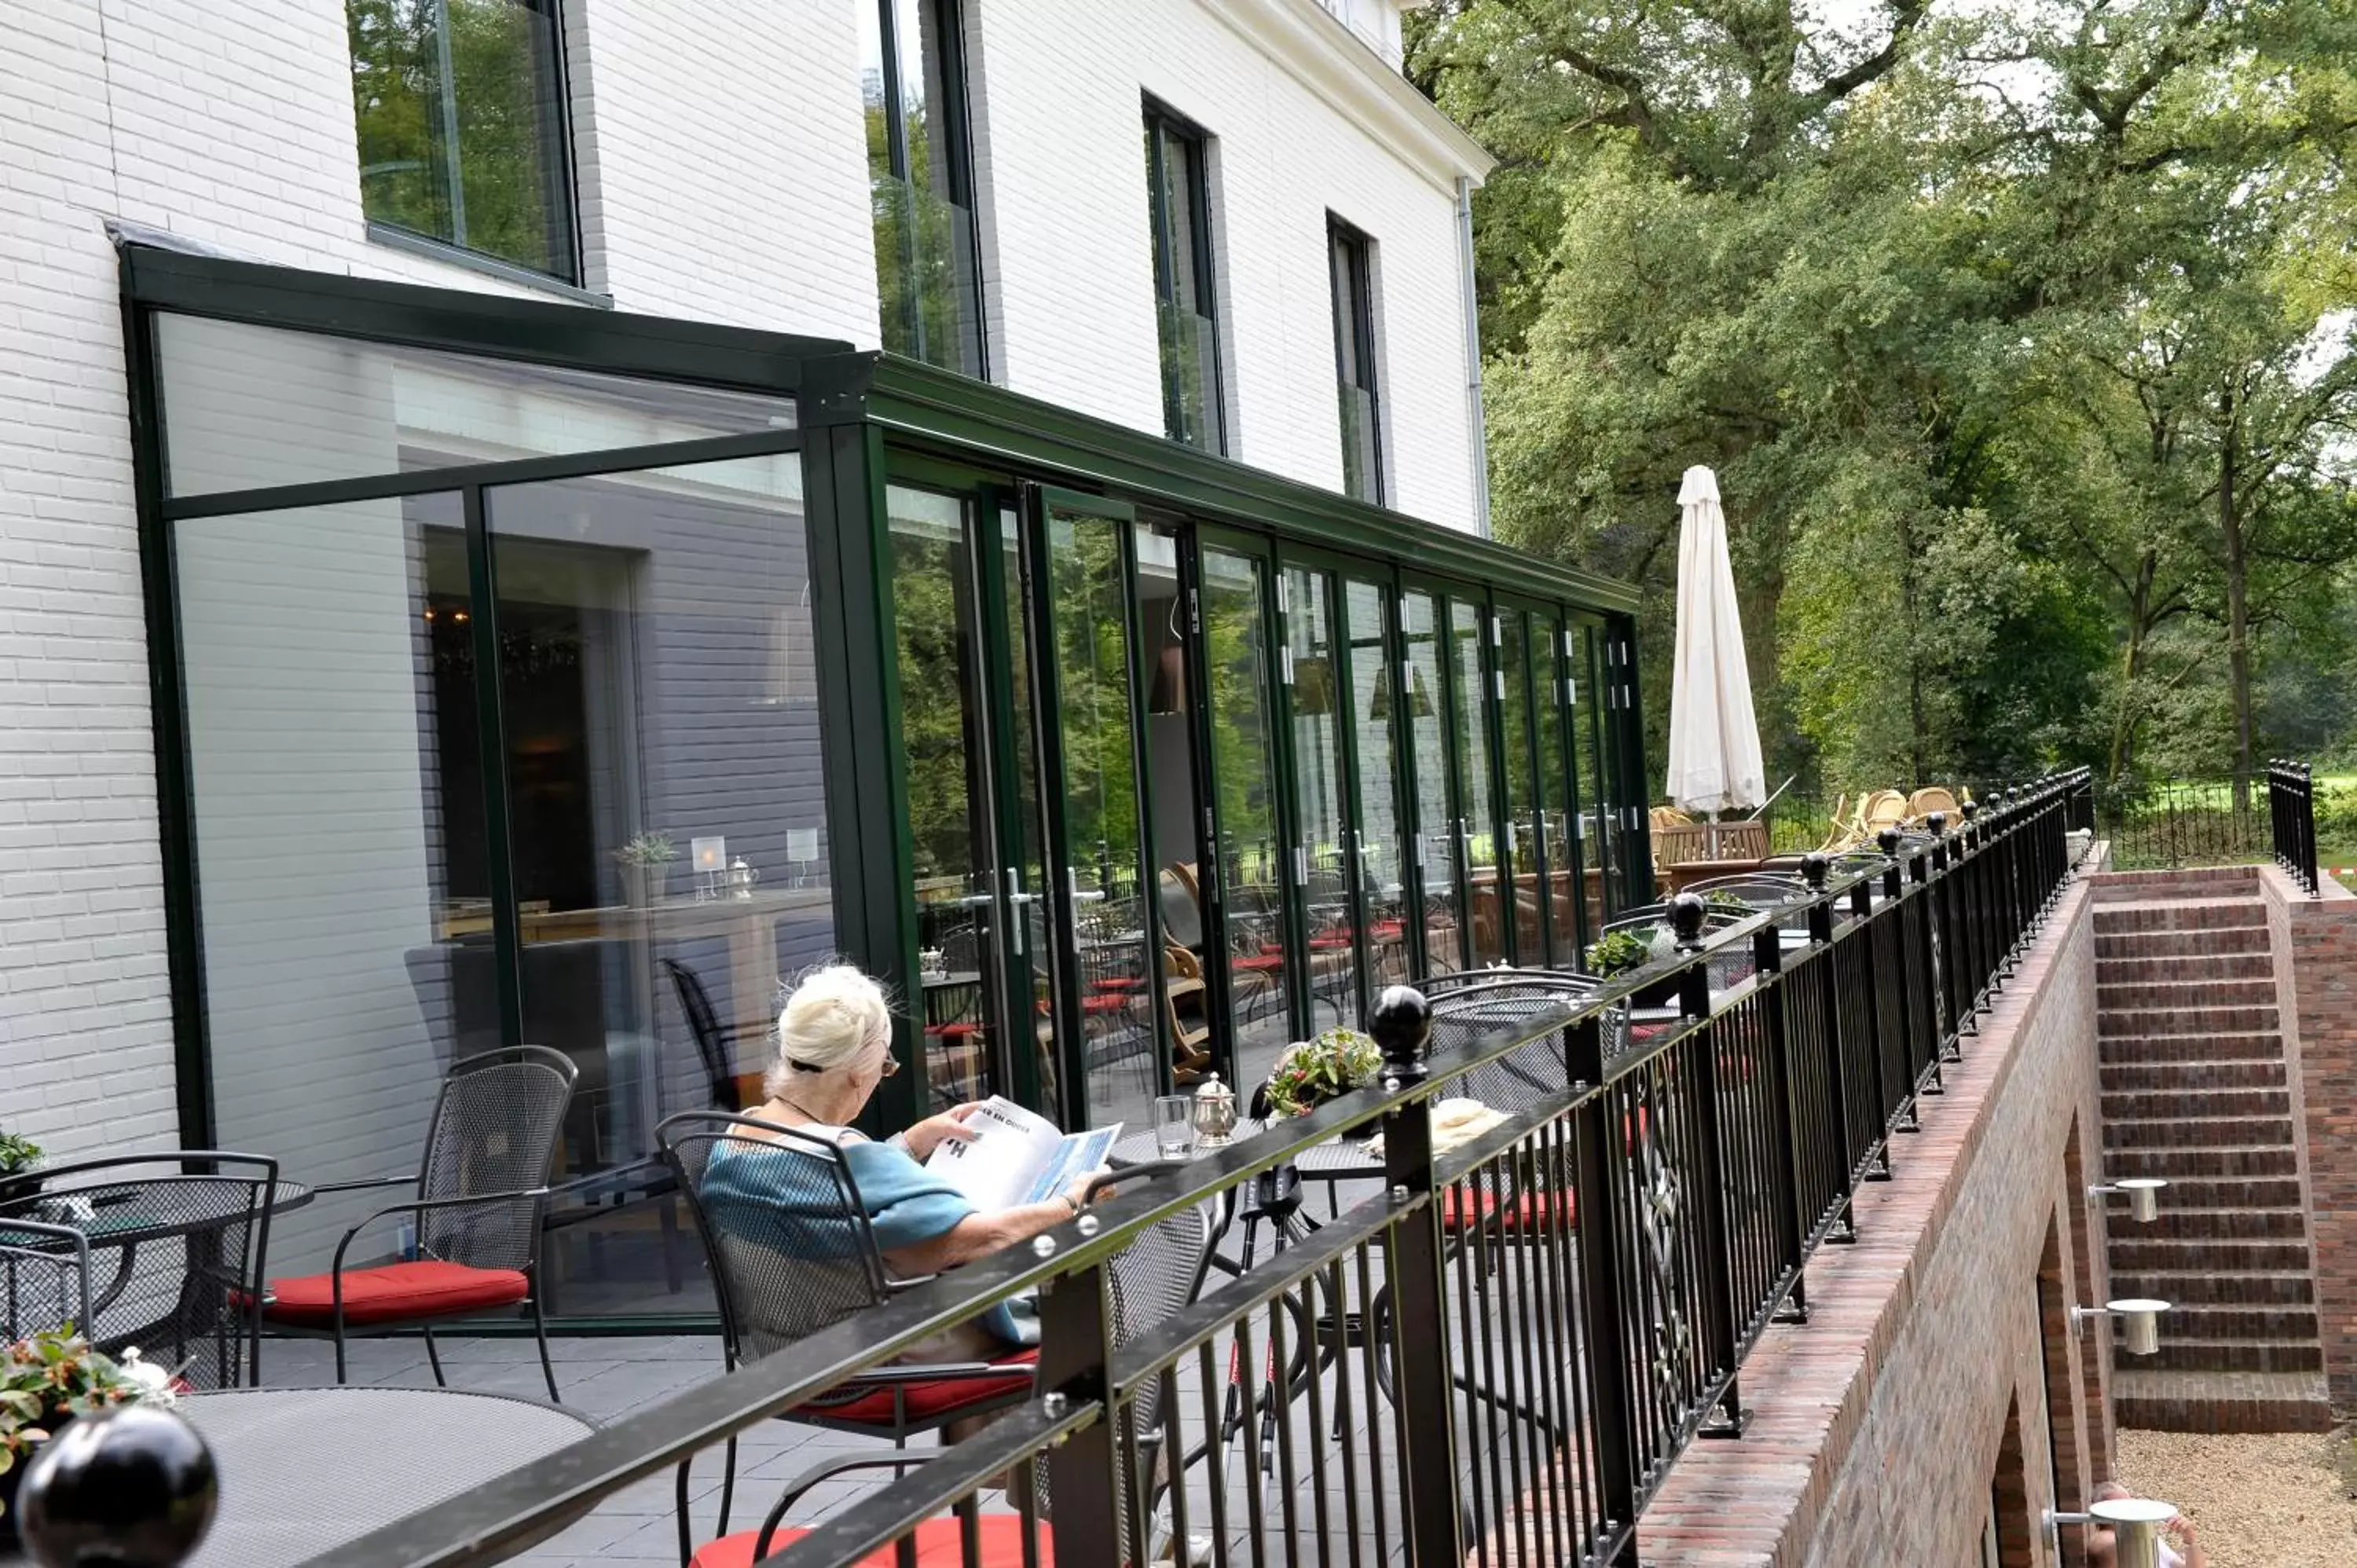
{"type": "Point", "coordinates": [1976, 316]}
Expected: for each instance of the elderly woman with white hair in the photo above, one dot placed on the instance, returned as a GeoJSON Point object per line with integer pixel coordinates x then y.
{"type": "Point", "coordinates": [834, 1046]}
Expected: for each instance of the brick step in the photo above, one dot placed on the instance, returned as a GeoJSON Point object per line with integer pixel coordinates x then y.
{"type": "Point", "coordinates": [2205, 1131]}
{"type": "Point", "coordinates": [2180, 915]}
{"type": "Point", "coordinates": [2221, 1402]}
{"type": "Point", "coordinates": [2181, 944]}
{"type": "Point", "coordinates": [2179, 1163]}
{"type": "Point", "coordinates": [2136, 1250]}
{"type": "Point", "coordinates": [2286, 1323]}
{"type": "Point", "coordinates": [2268, 1198]}
{"type": "Point", "coordinates": [2129, 1050]}
{"type": "Point", "coordinates": [2231, 1222]}
{"type": "Point", "coordinates": [2123, 1105]}
{"type": "Point", "coordinates": [2186, 967]}
{"type": "Point", "coordinates": [2233, 1356]}
{"type": "Point", "coordinates": [2207, 1288]}
{"type": "Point", "coordinates": [2177, 881]}
{"type": "Point", "coordinates": [2142, 1023]}
{"type": "Point", "coordinates": [2193, 1078]}
{"type": "Point", "coordinates": [2160, 996]}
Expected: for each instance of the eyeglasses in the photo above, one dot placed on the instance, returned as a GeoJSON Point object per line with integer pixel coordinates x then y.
{"type": "Point", "coordinates": [891, 1065]}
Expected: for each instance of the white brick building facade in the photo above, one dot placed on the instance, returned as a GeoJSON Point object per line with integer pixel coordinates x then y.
{"type": "Point", "coordinates": [721, 176]}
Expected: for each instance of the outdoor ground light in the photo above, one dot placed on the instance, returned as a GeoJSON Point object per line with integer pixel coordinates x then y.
{"type": "Point", "coordinates": [2143, 1194]}
{"type": "Point", "coordinates": [2136, 1524]}
{"type": "Point", "coordinates": [2141, 1315]}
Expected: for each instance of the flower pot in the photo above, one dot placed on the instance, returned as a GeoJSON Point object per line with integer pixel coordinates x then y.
{"type": "Point", "coordinates": [645, 885]}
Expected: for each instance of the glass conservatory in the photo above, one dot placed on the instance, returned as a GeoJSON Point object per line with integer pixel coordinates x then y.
{"type": "Point", "coordinates": [535, 675]}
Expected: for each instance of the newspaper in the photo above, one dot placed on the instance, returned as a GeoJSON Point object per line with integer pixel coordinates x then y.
{"type": "Point", "coordinates": [1017, 1156]}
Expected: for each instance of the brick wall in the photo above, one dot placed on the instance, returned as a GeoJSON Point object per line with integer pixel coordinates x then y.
{"type": "Point", "coordinates": [720, 157]}
{"type": "Point", "coordinates": [2315, 942]}
{"type": "Point", "coordinates": [1879, 1424]}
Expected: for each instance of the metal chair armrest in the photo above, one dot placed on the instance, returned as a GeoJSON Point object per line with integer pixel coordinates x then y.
{"type": "Point", "coordinates": [1144, 1170]}
{"type": "Point", "coordinates": [423, 1205]}
{"type": "Point", "coordinates": [827, 1470]}
{"type": "Point", "coordinates": [939, 1371]}
{"type": "Point", "coordinates": [366, 1184]}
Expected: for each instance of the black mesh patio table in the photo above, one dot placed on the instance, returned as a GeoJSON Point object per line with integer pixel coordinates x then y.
{"type": "Point", "coordinates": [305, 1471]}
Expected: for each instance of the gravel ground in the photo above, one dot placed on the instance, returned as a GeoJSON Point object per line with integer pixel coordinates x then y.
{"type": "Point", "coordinates": [2275, 1501]}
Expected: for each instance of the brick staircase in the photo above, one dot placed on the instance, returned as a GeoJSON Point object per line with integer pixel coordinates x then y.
{"type": "Point", "coordinates": [2194, 1091]}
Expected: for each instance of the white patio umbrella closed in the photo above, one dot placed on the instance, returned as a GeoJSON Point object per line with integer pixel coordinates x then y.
{"type": "Point", "coordinates": [1715, 762]}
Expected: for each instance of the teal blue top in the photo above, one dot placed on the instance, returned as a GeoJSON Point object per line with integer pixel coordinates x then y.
{"type": "Point", "coordinates": [753, 1193]}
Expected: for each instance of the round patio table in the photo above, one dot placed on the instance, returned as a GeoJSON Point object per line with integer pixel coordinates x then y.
{"type": "Point", "coordinates": [307, 1471]}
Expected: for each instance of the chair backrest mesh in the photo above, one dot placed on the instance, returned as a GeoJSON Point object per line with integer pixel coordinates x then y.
{"type": "Point", "coordinates": [792, 1248]}
{"type": "Point", "coordinates": [695, 1004]}
{"type": "Point", "coordinates": [1520, 1078]}
{"type": "Point", "coordinates": [495, 1130]}
{"type": "Point", "coordinates": [44, 1279]}
{"type": "Point", "coordinates": [179, 1239]}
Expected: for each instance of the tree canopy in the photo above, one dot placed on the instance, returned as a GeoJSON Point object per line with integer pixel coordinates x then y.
{"type": "Point", "coordinates": [2019, 337]}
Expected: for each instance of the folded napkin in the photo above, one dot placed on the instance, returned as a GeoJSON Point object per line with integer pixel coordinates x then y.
{"type": "Point", "coordinates": [1454, 1121]}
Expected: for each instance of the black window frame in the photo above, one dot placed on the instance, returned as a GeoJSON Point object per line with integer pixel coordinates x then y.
{"type": "Point", "coordinates": [562, 193]}
{"type": "Point", "coordinates": [1349, 257]}
{"type": "Point", "coordinates": [952, 132]}
{"type": "Point", "coordinates": [1165, 125]}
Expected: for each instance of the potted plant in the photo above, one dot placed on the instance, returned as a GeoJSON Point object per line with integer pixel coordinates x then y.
{"type": "Point", "coordinates": [1632, 947]}
{"type": "Point", "coordinates": [49, 1379]}
{"type": "Point", "coordinates": [646, 863]}
{"type": "Point", "coordinates": [1319, 1069]}
{"type": "Point", "coordinates": [18, 1154]}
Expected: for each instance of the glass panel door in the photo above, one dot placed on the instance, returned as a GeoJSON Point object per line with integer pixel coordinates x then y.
{"type": "Point", "coordinates": [1551, 644]}
{"type": "Point", "coordinates": [1084, 641]}
{"type": "Point", "coordinates": [1322, 876]}
{"type": "Point", "coordinates": [1469, 734]}
{"type": "Point", "coordinates": [1589, 772]}
{"type": "Point", "coordinates": [1518, 747]}
{"type": "Point", "coordinates": [1244, 888]}
{"type": "Point", "coordinates": [973, 986]}
{"type": "Point", "coordinates": [1374, 701]}
{"type": "Point", "coordinates": [1426, 691]}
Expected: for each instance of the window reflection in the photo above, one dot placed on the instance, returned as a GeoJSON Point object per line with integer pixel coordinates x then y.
{"type": "Point", "coordinates": [1323, 870]}
{"type": "Point", "coordinates": [1554, 804]}
{"type": "Point", "coordinates": [1443, 938]}
{"type": "Point", "coordinates": [1484, 897]}
{"type": "Point", "coordinates": [1237, 669]}
{"type": "Point", "coordinates": [1516, 741]}
{"type": "Point", "coordinates": [1373, 711]}
{"type": "Point", "coordinates": [928, 280]}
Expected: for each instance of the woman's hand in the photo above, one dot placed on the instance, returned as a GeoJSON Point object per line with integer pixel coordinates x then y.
{"type": "Point", "coordinates": [934, 1130]}
{"type": "Point", "coordinates": [1077, 1195]}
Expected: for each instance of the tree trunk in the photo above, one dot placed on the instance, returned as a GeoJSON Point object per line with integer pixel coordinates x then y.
{"type": "Point", "coordinates": [2238, 623]}
{"type": "Point", "coordinates": [2124, 717]}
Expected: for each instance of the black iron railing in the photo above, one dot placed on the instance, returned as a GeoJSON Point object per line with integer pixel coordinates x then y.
{"type": "Point", "coordinates": [1499, 1352]}
{"type": "Point", "coordinates": [2291, 820]}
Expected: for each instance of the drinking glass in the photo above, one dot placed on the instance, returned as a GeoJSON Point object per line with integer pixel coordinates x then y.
{"type": "Point", "coordinates": [1174, 1125]}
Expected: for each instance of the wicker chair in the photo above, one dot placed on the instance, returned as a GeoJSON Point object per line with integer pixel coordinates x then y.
{"type": "Point", "coordinates": [175, 1241]}
{"type": "Point", "coordinates": [1156, 1276]}
{"type": "Point", "coordinates": [1930, 799]}
{"type": "Point", "coordinates": [481, 1190]}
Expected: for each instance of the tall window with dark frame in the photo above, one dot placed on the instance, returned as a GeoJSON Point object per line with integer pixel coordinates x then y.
{"type": "Point", "coordinates": [1186, 296]}
{"type": "Point", "coordinates": [1348, 259]}
{"type": "Point", "coordinates": [921, 179]}
{"type": "Point", "coordinates": [461, 110]}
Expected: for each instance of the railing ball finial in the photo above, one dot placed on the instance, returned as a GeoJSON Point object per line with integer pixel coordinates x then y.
{"type": "Point", "coordinates": [1938, 822]}
{"type": "Point", "coordinates": [1815, 867]}
{"type": "Point", "coordinates": [133, 1486]}
{"type": "Point", "coordinates": [1971, 809]}
{"type": "Point", "coordinates": [1402, 1026]}
{"type": "Point", "coordinates": [1887, 842]}
{"type": "Point", "coordinates": [1686, 914]}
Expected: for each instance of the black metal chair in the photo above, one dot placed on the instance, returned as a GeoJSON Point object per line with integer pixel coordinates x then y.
{"type": "Point", "coordinates": [770, 1299]}
{"type": "Point", "coordinates": [175, 1242]}
{"type": "Point", "coordinates": [715, 1042]}
{"type": "Point", "coordinates": [44, 1279]}
{"type": "Point", "coordinates": [481, 1190]}
{"type": "Point", "coordinates": [1153, 1279]}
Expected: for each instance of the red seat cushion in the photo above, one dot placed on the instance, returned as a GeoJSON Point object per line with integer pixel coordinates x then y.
{"type": "Point", "coordinates": [934, 1398]}
{"type": "Point", "coordinates": [940, 1544]}
{"type": "Point", "coordinates": [1535, 1211]}
{"type": "Point", "coordinates": [394, 1293]}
